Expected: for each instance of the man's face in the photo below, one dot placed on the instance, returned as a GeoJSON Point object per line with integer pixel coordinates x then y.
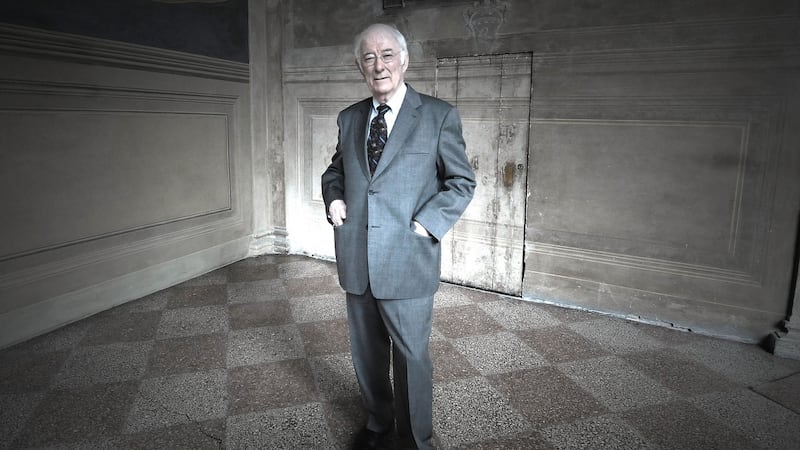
{"type": "Point", "coordinates": [380, 63]}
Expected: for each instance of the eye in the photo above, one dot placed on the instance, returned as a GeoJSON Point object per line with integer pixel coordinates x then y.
{"type": "Point", "coordinates": [368, 59]}
{"type": "Point", "coordinates": [387, 57]}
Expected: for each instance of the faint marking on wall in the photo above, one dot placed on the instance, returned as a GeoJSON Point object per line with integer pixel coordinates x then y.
{"type": "Point", "coordinates": [483, 20]}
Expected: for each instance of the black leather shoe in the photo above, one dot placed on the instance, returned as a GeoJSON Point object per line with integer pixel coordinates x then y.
{"type": "Point", "coordinates": [369, 440]}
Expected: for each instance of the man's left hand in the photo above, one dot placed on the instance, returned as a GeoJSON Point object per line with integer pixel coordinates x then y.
{"type": "Point", "coordinates": [420, 230]}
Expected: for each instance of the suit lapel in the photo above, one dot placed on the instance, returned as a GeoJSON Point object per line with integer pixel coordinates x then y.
{"type": "Point", "coordinates": [361, 135]}
{"type": "Point", "coordinates": [405, 123]}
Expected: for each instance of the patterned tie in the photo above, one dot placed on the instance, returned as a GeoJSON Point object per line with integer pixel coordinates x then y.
{"type": "Point", "coordinates": [378, 134]}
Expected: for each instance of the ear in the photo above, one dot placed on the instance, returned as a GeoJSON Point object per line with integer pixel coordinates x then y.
{"type": "Point", "coordinates": [358, 64]}
{"type": "Point", "coordinates": [404, 66]}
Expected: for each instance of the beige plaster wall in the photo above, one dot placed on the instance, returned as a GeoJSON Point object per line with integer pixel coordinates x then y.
{"type": "Point", "coordinates": [124, 170]}
{"type": "Point", "coordinates": [661, 176]}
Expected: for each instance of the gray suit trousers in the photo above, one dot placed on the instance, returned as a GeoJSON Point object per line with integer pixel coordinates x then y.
{"type": "Point", "coordinates": [402, 329]}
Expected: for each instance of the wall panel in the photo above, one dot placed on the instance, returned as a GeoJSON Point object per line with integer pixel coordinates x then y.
{"type": "Point", "coordinates": [101, 173]}
{"type": "Point", "coordinates": [662, 164]}
{"type": "Point", "coordinates": [119, 178]}
{"type": "Point", "coordinates": [309, 148]}
{"type": "Point", "coordinates": [653, 192]}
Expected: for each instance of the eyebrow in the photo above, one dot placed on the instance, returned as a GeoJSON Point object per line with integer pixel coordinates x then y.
{"type": "Point", "coordinates": [385, 50]}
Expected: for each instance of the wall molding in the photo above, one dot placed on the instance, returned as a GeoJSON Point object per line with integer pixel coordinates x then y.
{"type": "Point", "coordinates": [24, 323]}
{"type": "Point", "coordinates": [642, 263]}
{"type": "Point", "coordinates": [671, 59]}
{"type": "Point", "coordinates": [275, 241]}
{"type": "Point", "coordinates": [26, 41]}
{"type": "Point", "coordinates": [97, 90]}
{"type": "Point", "coordinates": [185, 174]}
{"type": "Point", "coordinates": [757, 117]}
{"type": "Point", "coordinates": [107, 100]}
{"type": "Point", "coordinates": [702, 316]}
{"type": "Point", "coordinates": [104, 256]}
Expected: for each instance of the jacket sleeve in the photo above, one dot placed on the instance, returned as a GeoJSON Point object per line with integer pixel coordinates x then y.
{"type": "Point", "coordinates": [333, 177]}
{"type": "Point", "coordinates": [456, 178]}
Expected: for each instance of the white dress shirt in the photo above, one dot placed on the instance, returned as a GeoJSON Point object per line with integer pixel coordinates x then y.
{"type": "Point", "coordinates": [394, 104]}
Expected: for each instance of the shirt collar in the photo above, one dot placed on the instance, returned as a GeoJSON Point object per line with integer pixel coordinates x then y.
{"type": "Point", "coordinates": [396, 101]}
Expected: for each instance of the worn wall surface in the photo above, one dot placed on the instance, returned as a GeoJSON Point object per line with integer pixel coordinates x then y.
{"type": "Point", "coordinates": [124, 170]}
{"type": "Point", "coordinates": [216, 28]}
{"type": "Point", "coordinates": [661, 169]}
{"type": "Point", "coordinates": [644, 163]}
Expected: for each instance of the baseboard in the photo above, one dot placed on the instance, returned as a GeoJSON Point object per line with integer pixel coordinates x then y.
{"type": "Point", "coordinates": [25, 323]}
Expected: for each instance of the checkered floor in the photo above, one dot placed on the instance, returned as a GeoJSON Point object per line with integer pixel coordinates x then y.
{"type": "Point", "coordinates": [255, 355]}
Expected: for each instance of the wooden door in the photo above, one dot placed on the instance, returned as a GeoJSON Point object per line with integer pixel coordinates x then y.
{"type": "Point", "coordinates": [492, 93]}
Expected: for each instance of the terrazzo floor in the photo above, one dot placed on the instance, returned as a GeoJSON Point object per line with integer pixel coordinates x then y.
{"type": "Point", "coordinates": [255, 355]}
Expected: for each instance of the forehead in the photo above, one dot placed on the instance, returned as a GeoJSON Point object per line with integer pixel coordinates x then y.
{"type": "Point", "coordinates": [378, 41]}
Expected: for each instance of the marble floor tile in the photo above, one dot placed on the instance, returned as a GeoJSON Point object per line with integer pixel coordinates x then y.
{"type": "Point", "coordinates": [113, 327]}
{"type": "Point", "coordinates": [25, 371]}
{"type": "Point", "coordinates": [178, 399]}
{"type": "Point", "coordinates": [194, 296]}
{"type": "Point", "coordinates": [15, 413]}
{"type": "Point", "coordinates": [265, 344]}
{"type": "Point", "coordinates": [302, 426]}
{"type": "Point", "coordinates": [679, 425]}
{"type": "Point", "coordinates": [784, 391]}
{"type": "Point", "coordinates": [200, 435]}
{"type": "Point", "coordinates": [448, 363]}
{"type": "Point", "coordinates": [319, 307]}
{"type": "Point", "coordinates": [451, 295]}
{"type": "Point", "coordinates": [109, 363]}
{"type": "Point", "coordinates": [325, 337]}
{"type": "Point", "coordinates": [531, 392]}
{"type": "Point", "coordinates": [745, 364]}
{"type": "Point", "coordinates": [470, 410]}
{"type": "Point", "coordinates": [601, 432]}
{"type": "Point", "coordinates": [313, 286]}
{"type": "Point", "coordinates": [256, 355]}
{"type": "Point", "coordinates": [345, 416]}
{"type": "Point", "coordinates": [251, 271]}
{"type": "Point", "coordinates": [560, 344]}
{"type": "Point", "coordinates": [766, 423]}
{"type": "Point", "coordinates": [616, 384]}
{"type": "Point", "coordinates": [517, 315]}
{"type": "Point", "coordinates": [259, 314]}
{"type": "Point", "coordinates": [335, 376]}
{"type": "Point", "coordinates": [681, 375]}
{"type": "Point", "coordinates": [257, 291]}
{"type": "Point", "coordinates": [616, 335]}
{"type": "Point", "coordinates": [187, 354]}
{"type": "Point", "coordinates": [306, 268]}
{"type": "Point", "coordinates": [184, 322]}
{"type": "Point", "coordinates": [270, 385]}
{"type": "Point", "coordinates": [497, 353]}
{"type": "Point", "coordinates": [66, 416]}
{"type": "Point", "coordinates": [460, 321]}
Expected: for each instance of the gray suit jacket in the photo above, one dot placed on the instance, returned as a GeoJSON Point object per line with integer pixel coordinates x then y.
{"type": "Point", "coordinates": [423, 175]}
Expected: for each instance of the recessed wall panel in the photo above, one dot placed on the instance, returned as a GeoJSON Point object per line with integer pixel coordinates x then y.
{"type": "Point", "coordinates": [669, 190]}
{"type": "Point", "coordinates": [71, 176]}
{"type": "Point", "coordinates": [654, 192]}
{"type": "Point", "coordinates": [123, 170]}
{"type": "Point", "coordinates": [322, 133]}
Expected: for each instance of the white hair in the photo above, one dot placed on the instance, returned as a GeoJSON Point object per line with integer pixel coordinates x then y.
{"type": "Point", "coordinates": [398, 36]}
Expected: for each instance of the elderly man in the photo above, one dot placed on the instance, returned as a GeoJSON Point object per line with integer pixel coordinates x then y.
{"type": "Point", "coordinates": [398, 181]}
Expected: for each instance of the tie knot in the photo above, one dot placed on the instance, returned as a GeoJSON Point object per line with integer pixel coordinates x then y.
{"type": "Point", "coordinates": [382, 108]}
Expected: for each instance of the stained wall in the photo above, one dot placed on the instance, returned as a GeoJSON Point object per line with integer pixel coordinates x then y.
{"type": "Point", "coordinates": [125, 168]}
{"type": "Point", "coordinates": [660, 173]}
